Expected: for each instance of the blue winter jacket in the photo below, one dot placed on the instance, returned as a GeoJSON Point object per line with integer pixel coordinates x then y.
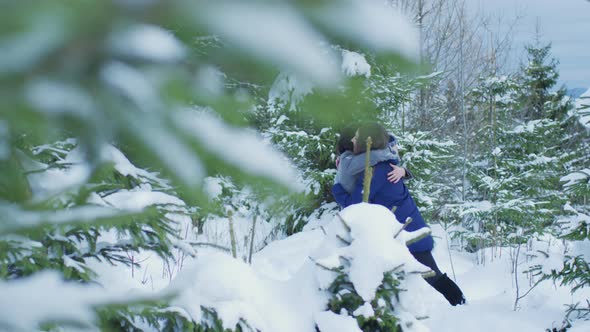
{"type": "Point", "coordinates": [389, 195]}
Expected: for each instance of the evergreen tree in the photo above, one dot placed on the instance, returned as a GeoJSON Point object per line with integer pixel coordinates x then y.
{"type": "Point", "coordinates": [575, 226]}
{"type": "Point", "coordinates": [284, 121]}
{"type": "Point", "coordinates": [493, 104]}
{"type": "Point", "coordinates": [515, 176]}
{"type": "Point", "coordinates": [539, 76]}
{"type": "Point", "coordinates": [433, 165]}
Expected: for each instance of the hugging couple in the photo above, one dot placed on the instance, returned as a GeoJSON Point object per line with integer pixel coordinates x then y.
{"type": "Point", "coordinates": [387, 189]}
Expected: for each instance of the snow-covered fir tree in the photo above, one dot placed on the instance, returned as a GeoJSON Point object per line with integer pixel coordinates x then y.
{"type": "Point", "coordinates": [539, 76]}
{"type": "Point", "coordinates": [575, 225]}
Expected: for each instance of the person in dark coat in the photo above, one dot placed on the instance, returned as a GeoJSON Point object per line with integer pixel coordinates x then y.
{"type": "Point", "coordinates": [389, 194]}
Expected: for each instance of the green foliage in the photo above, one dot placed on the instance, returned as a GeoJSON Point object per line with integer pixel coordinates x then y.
{"type": "Point", "coordinates": [14, 186]}
{"type": "Point", "coordinates": [517, 164]}
{"type": "Point", "coordinates": [435, 183]}
{"type": "Point", "coordinates": [576, 274]}
{"type": "Point", "coordinates": [576, 268]}
{"type": "Point", "coordinates": [163, 318]}
{"type": "Point", "coordinates": [103, 108]}
{"type": "Point", "coordinates": [310, 146]}
{"type": "Point", "coordinates": [65, 239]}
{"type": "Point", "coordinates": [522, 183]}
{"type": "Point", "coordinates": [390, 92]}
{"type": "Point", "coordinates": [576, 271]}
{"type": "Point", "coordinates": [538, 77]}
{"type": "Point", "coordinates": [345, 299]}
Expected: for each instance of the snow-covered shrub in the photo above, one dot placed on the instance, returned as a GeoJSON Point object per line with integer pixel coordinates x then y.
{"type": "Point", "coordinates": [240, 218]}
{"type": "Point", "coordinates": [115, 193]}
{"type": "Point", "coordinates": [349, 275]}
{"type": "Point", "coordinates": [372, 266]}
{"type": "Point", "coordinates": [97, 218]}
{"type": "Point", "coordinates": [310, 147]}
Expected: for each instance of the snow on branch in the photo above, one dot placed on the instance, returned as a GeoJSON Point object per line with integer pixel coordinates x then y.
{"type": "Point", "coordinates": [15, 219]}
{"type": "Point", "coordinates": [239, 147]}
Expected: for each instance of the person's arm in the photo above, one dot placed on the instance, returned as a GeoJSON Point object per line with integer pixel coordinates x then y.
{"type": "Point", "coordinates": [398, 173]}
{"type": "Point", "coordinates": [353, 164]}
{"type": "Point", "coordinates": [344, 198]}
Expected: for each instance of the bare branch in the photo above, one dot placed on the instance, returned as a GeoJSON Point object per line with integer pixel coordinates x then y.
{"type": "Point", "coordinates": [343, 240]}
{"type": "Point", "coordinates": [343, 222]}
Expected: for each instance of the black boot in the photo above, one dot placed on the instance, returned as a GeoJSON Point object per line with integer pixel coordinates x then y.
{"type": "Point", "coordinates": [449, 289]}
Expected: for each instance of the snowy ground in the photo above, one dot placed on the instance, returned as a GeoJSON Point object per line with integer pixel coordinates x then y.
{"type": "Point", "coordinates": [280, 273]}
{"type": "Point", "coordinates": [280, 290]}
{"type": "Point", "coordinates": [491, 293]}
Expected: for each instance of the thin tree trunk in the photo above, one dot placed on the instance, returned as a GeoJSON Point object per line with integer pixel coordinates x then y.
{"type": "Point", "coordinates": [368, 172]}
{"type": "Point", "coordinates": [422, 94]}
{"type": "Point", "coordinates": [252, 239]}
{"type": "Point", "coordinates": [232, 235]}
{"type": "Point", "coordinates": [462, 105]}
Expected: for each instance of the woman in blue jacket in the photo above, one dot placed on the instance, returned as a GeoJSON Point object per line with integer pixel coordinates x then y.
{"type": "Point", "coordinates": [390, 195]}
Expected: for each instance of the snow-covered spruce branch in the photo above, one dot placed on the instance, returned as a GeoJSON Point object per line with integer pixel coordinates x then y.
{"type": "Point", "coordinates": [396, 269]}
{"type": "Point", "coordinates": [50, 166]}
{"type": "Point", "coordinates": [520, 297]}
{"type": "Point", "coordinates": [345, 260]}
{"type": "Point", "coordinates": [331, 269]}
{"type": "Point", "coordinates": [427, 274]}
{"type": "Point", "coordinates": [579, 311]}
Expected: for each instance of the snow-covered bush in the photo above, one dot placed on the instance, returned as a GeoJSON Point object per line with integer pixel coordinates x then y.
{"type": "Point", "coordinates": [110, 216]}
{"type": "Point", "coordinates": [434, 184]}
{"type": "Point", "coordinates": [312, 150]}
{"type": "Point", "coordinates": [352, 273]}
{"type": "Point", "coordinates": [240, 219]}
{"type": "Point", "coordinates": [372, 267]}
